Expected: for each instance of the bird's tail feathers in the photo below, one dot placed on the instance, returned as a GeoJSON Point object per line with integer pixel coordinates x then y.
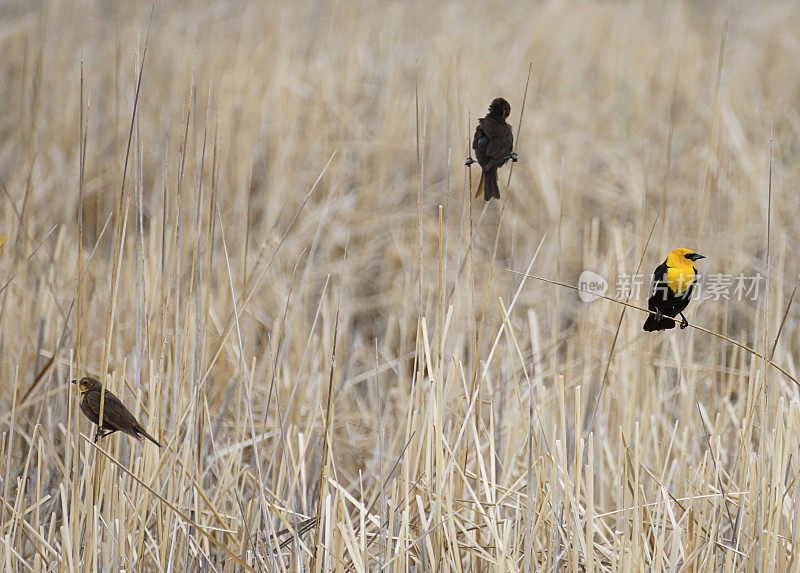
{"type": "Point", "coordinates": [144, 433]}
{"type": "Point", "coordinates": [491, 190]}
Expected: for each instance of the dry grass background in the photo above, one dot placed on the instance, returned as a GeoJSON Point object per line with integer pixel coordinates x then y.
{"type": "Point", "coordinates": [282, 160]}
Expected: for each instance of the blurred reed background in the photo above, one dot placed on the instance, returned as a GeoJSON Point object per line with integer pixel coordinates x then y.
{"type": "Point", "coordinates": [276, 263]}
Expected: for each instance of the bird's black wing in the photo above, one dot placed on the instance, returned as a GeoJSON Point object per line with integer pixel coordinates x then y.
{"type": "Point", "coordinates": [493, 142]}
{"type": "Point", "coordinates": [660, 301]}
{"type": "Point", "coordinates": [501, 142]}
{"type": "Point", "coordinates": [659, 291]}
{"type": "Point", "coordinates": [480, 142]}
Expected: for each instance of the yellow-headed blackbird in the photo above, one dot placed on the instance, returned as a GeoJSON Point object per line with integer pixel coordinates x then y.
{"type": "Point", "coordinates": [673, 282]}
{"type": "Point", "coordinates": [493, 144]}
{"type": "Point", "coordinates": [115, 415]}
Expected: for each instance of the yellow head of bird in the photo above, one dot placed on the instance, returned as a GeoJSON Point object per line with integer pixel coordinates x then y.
{"type": "Point", "coordinates": [680, 269]}
{"type": "Point", "coordinates": [86, 383]}
{"type": "Point", "coordinates": [683, 258]}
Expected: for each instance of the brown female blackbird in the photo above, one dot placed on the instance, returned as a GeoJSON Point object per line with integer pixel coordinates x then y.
{"type": "Point", "coordinates": [115, 415]}
{"type": "Point", "coordinates": [493, 144]}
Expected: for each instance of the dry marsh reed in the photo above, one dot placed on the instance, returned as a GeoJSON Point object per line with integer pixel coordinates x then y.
{"type": "Point", "coordinates": [253, 220]}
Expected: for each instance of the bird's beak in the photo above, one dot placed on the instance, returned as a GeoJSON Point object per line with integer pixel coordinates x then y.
{"type": "Point", "coordinates": [74, 381]}
{"type": "Point", "coordinates": [696, 256]}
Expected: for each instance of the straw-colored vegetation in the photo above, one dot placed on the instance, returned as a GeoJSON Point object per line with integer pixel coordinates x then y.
{"type": "Point", "coordinates": [278, 267]}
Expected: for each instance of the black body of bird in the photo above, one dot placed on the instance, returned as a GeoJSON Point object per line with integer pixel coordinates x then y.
{"type": "Point", "coordinates": [493, 144]}
{"type": "Point", "coordinates": [673, 284]}
{"type": "Point", "coordinates": [115, 415]}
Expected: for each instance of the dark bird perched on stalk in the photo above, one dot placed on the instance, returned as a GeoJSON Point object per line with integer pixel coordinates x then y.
{"type": "Point", "coordinates": [673, 282]}
{"type": "Point", "coordinates": [115, 415]}
{"type": "Point", "coordinates": [493, 144]}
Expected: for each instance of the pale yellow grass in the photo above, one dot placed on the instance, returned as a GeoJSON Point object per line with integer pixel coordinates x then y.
{"type": "Point", "coordinates": [286, 289]}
